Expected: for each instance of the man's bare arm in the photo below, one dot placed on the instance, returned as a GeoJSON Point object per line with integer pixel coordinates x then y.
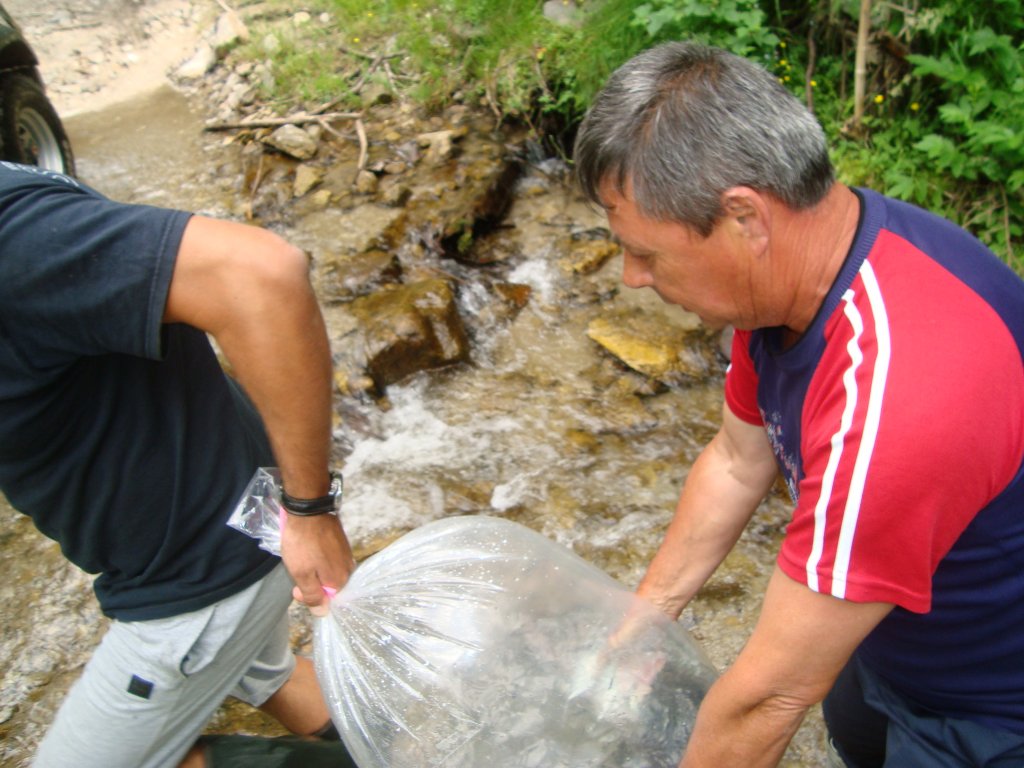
{"type": "Point", "coordinates": [800, 644]}
{"type": "Point", "coordinates": [731, 476]}
{"type": "Point", "coordinates": [250, 290]}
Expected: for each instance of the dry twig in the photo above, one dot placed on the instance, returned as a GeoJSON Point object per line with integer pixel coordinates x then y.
{"type": "Point", "coordinates": [300, 118]}
{"type": "Point", "coordinates": [363, 146]}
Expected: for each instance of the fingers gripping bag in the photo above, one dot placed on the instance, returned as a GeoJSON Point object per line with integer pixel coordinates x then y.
{"type": "Point", "coordinates": [476, 642]}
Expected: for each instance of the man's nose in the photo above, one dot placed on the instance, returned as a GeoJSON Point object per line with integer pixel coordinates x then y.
{"type": "Point", "coordinates": [634, 272]}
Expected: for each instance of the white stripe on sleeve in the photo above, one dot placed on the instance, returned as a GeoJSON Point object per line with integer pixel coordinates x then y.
{"type": "Point", "coordinates": [879, 375]}
{"type": "Point", "coordinates": [836, 453]}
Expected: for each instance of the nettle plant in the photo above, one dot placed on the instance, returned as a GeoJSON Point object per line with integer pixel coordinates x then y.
{"type": "Point", "coordinates": [942, 126]}
{"type": "Point", "coordinates": [741, 26]}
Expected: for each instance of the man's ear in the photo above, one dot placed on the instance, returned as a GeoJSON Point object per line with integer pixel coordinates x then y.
{"type": "Point", "coordinates": [748, 210]}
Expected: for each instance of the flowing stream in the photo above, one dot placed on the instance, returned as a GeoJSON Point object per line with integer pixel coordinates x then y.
{"type": "Point", "coordinates": [536, 428]}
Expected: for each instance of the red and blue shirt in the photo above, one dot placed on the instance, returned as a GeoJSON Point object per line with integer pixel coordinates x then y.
{"type": "Point", "coordinates": [897, 420]}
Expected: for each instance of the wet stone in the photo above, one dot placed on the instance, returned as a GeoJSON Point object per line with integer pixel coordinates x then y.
{"type": "Point", "coordinates": [411, 328]}
{"type": "Point", "coordinates": [307, 177]}
{"type": "Point", "coordinates": [395, 195]}
{"type": "Point", "coordinates": [351, 275]}
{"type": "Point", "coordinates": [492, 305]}
{"type": "Point", "coordinates": [440, 145]}
{"type": "Point", "coordinates": [588, 256]}
{"type": "Point", "coordinates": [292, 141]}
{"type": "Point", "coordinates": [355, 384]}
{"type": "Point", "coordinates": [479, 207]}
{"type": "Point", "coordinates": [320, 199]}
{"type": "Point", "coordinates": [353, 230]}
{"type": "Point", "coordinates": [645, 345]}
{"type": "Point", "coordinates": [366, 183]}
{"type": "Point", "coordinates": [515, 295]}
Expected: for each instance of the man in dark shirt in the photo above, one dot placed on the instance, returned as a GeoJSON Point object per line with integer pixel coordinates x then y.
{"type": "Point", "coordinates": [124, 440]}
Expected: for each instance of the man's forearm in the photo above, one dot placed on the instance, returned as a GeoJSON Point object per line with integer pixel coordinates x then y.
{"type": "Point", "coordinates": [726, 483]}
{"type": "Point", "coordinates": [699, 537]}
{"type": "Point", "coordinates": [292, 391]}
{"type": "Point", "coordinates": [250, 290]}
{"type": "Point", "coordinates": [730, 732]}
{"type": "Point", "coordinates": [790, 662]}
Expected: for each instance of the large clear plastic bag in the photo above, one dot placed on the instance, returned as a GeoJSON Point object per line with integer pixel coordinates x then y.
{"type": "Point", "coordinates": [475, 642]}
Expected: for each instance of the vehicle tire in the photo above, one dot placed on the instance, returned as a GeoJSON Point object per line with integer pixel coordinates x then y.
{"type": "Point", "coordinates": [30, 130]}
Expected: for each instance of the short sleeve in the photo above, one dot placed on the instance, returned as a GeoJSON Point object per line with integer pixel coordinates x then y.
{"type": "Point", "coordinates": [81, 274]}
{"type": "Point", "coordinates": [741, 381]}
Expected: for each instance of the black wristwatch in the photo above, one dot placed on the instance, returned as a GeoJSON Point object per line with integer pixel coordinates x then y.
{"type": "Point", "coordinates": [321, 505]}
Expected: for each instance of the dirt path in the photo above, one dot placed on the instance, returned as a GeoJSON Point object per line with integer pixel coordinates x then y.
{"type": "Point", "coordinates": [94, 53]}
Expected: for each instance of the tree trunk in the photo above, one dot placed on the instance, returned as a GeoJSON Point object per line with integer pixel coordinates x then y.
{"type": "Point", "coordinates": [860, 66]}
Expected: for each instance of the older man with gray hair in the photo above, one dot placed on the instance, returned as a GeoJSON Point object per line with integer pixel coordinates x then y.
{"type": "Point", "coordinates": [878, 363]}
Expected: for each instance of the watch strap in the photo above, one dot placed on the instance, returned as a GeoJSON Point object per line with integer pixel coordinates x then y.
{"type": "Point", "coordinates": [321, 505]}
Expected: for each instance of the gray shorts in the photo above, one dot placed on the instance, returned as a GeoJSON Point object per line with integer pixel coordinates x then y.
{"type": "Point", "coordinates": [151, 686]}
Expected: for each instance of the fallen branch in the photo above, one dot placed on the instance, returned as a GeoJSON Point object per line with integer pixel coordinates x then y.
{"type": "Point", "coordinates": [390, 76]}
{"type": "Point", "coordinates": [275, 122]}
{"type": "Point", "coordinates": [365, 76]}
{"type": "Point", "coordinates": [83, 25]}
{"type": "Point", "coordinates": [327, 127]}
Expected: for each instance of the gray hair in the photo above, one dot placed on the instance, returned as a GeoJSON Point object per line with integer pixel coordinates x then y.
{"type": "Point", "coordinates": [684, 122]}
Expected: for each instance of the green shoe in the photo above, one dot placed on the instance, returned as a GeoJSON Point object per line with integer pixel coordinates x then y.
{"type": "Point", "coordinates": [237, 751]}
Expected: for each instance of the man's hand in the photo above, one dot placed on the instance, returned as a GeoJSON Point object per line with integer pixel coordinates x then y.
{"type": "Point", "coordinates": [640, 616]}
{"type": "Point", "coordinates": [318, 556]}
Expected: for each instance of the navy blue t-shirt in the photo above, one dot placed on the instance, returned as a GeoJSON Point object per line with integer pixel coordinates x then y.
{"type": "Point", "coordinates": [120, 436]}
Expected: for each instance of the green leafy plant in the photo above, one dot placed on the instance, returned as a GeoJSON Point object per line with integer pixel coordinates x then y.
{"type": "Point", "coordinates": [738, 25]}
{"type": "Point", "coordinates": [945, 100]}
{"type": "Point", "coordinates": [980, 79]}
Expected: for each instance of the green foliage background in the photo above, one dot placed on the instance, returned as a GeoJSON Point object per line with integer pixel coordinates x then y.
{"type": "Point", "coordinates": [943, 124]}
